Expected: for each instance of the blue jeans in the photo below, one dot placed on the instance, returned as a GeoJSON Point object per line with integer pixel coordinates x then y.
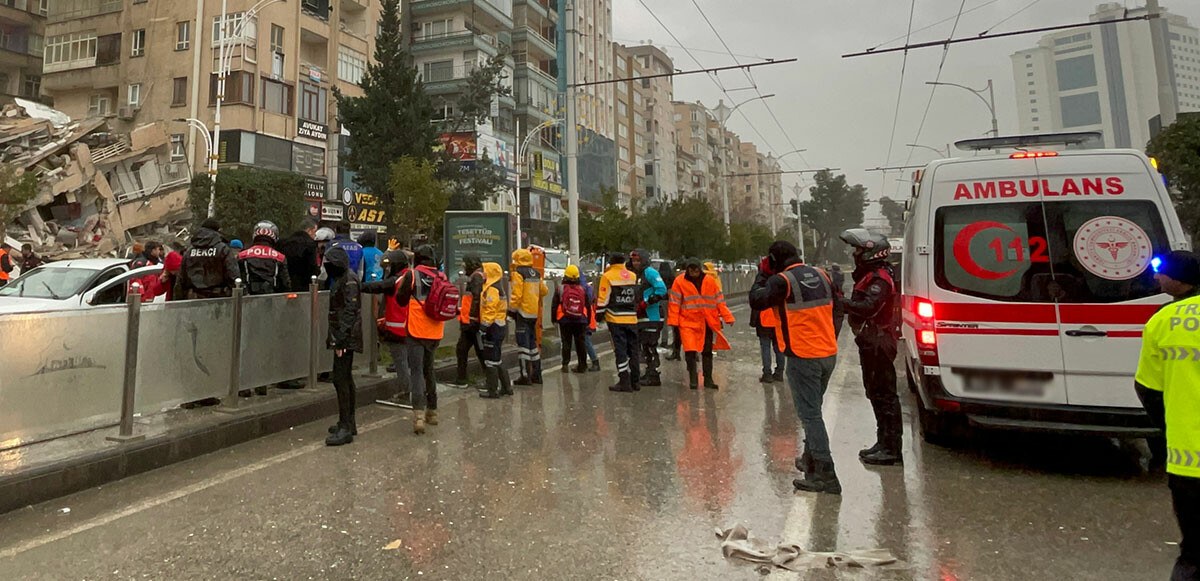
{"type": "Point", "coordinates": [591, 349]}
{"type": "Point", "coordinates": [809, 379]}
{"type": "Point", "coordinates": [767, 345]}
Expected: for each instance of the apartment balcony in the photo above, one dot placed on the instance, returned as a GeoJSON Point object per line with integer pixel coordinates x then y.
{"type": "Point", "coordinates": [489, 14]}
{"type": "Point", "coordinates": [456, 41]}
{"type": "Point", "coordinates": [94, 77]}
{"type": "Point", "coordinates": [75, 9]}
{"type": "Point", "coordinates": [15, 59]}
{"type": "Point", "coordinates": [531, 71]}
{"type": "Point", "coordinates": [540, 114]}
{"type": "Point", "coordinates": [535, 40]}
{"type": "Point", "coordinates": [21, 18]}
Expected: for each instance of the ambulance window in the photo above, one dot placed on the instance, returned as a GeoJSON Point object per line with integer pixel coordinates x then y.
{"type": "Point", "coordinates": [994, 251]}
{"type": "Point", "coordinates": [1102, 250]}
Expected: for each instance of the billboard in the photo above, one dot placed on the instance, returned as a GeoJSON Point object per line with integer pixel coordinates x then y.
{"type": "Point", "coordinates": [461, 146]}
{"type": "Point", "coordinates": [485, 234]}
{"type": "Point", "coordinates": [546, 174]}
{"type": "Point", "coordinates": [496, 150]}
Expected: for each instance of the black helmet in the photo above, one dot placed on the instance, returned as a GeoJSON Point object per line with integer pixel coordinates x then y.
{"type": "Point", "coordinates": [868, 245]}
{"type": "Point", "coordinates": [393, 261]}
{"type": "Point", "coordinates": [266, 229]}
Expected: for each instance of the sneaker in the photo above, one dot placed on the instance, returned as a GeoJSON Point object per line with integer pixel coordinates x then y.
{"type": "Point", "coordinates": [883, 457]}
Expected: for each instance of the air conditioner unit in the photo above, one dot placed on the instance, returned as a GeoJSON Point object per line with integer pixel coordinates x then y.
{"type": "Point", "coordinates": [127, 113]}
{"type": "Point", "coordinates": [175, 170]}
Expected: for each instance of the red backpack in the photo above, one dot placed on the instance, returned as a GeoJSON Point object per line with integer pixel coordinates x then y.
{"type": "Point", "coordinates": [574, 300]}
{"type": "Point", "coordinates": [443, 299]}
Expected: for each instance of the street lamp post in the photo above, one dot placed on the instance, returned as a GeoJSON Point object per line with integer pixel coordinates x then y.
{"type": "Point", "coordinates": [198, 125]}
{"type": "Point", "coordinates": [990, 101]}
{"type": "Point", "coordinates": [723, 115]}
{"type": "Point", "coordinates": [933, 149]}
{"type": "Point", "coordinates": [522, 147]}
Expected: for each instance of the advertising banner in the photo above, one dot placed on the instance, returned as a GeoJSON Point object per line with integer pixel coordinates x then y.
{"type": "Point", "coordinates": [485, 234]}
{"type": "Point", "coordinates": [546, 173]}
{"type": "Point", "coordinates": [461, 146]}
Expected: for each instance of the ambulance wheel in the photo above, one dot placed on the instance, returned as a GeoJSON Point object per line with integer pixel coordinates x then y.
{"type": "Point", "coordinates": [940, 429]}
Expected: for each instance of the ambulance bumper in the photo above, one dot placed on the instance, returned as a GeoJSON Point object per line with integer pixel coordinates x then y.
{"type": "Point", "coordinates": [1030, 417]}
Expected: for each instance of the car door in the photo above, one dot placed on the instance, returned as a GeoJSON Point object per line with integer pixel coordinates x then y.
{"type": "Point", "coordinates": [114, 290]}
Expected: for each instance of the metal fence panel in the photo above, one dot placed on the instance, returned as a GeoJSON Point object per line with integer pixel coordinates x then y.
{"type": "Point", "coordinates": [62, 372]}
{"type": "Point", "coordinates": [183, 353]}
{"type": "Point", "coordinates": [275, 332]}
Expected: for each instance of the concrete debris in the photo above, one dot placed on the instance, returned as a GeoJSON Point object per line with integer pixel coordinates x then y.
{"type": "Point", "coordinates": [98, 190]}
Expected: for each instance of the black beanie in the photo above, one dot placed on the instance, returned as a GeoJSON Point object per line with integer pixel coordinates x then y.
{"type": "Point", "coordinates": [1182, 266]}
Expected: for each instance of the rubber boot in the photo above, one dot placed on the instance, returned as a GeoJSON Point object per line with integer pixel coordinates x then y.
{"type": "Point", "coordinates": [505, 384]}
{"type": "Point", "coordinates": [693, 379]}
{"type": "Point", "coordinates": [535, 372]}
{"type": "Point", "coordinates": [418, 422]}
{"type": "Point", "coordinates": [581, 368]}
{"type": "Point", "coordinates": [491, 380]}
{"type": "Point", "coordinates": [708, 370]}
{"type": "Point", "coordinates": [431, 417]}
{"type": "Point", "coordinates": [623, 384]}
{"type": "Point", "coordinates": [822, 478]}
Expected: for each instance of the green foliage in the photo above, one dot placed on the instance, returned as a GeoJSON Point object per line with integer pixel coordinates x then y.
{"type": "Point", "coordinates": [246, 195]}
{"type": "Point", "coordinates": [894, 212]}
{"type": "Point", "coordinates": [469, 188]}
{"type": "Point", "coordinates": [391, 119]}
{"type": "Point", "coordinates": [17, 188]}
{"type": "Point", "coordinates": [420, 198]}
{"type": "Point", "coordinates": [1177, 150]}
{"type": "Point", "coordinates": [483, 84]}
{"type": "Point", "coordinates": [834, 207]}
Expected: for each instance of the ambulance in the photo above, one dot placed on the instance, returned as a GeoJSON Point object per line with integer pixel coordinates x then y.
{"type": "Point", "coordinates": [1028, 274]}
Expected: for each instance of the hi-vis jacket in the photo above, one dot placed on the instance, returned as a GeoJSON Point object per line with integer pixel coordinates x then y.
{"type": "Point", "coordinates": [618, 297]}
{"type": "Point", "coordinates": [695, 310]}
{"type": "Point", "coordinates": [1170, 363]}
{"type": "Point", "coordinates": [807, 329]}
{"type": "Point", "coordinates": [527, 286]}
{"type": "Point", "coordinates": [493, 307]}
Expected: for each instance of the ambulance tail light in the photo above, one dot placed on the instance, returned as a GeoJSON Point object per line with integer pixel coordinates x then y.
{"type": "Point", "coordinates": [925, 309]}
{"type": "Point", "coordinates": [1033, 154]}
{"type": "Point", "coordinates": [927, 338]}
{"type": "Point", "coordinates": [926, 335]}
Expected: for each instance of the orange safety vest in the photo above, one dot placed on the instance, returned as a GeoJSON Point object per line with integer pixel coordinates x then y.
{"type": "Point", "coordinates": [808, 312]}
{"type": "Point", "coordinates": [4, 275]}
{"type": "Point", "coordinates": [768, 318]}
{"type": "Point", "coordinates": [421, 325]}
{"type": "Point", "coordinates": [395, 315]}
{"type": "Point", "coordinates": [468, 300]}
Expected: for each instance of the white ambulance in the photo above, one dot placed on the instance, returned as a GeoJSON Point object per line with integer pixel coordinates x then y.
{"type": "Point", "coordinates": [1027, 279]}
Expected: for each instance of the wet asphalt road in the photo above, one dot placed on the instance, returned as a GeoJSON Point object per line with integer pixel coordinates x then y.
{"type": "Point", "coordinates": [570, 481]}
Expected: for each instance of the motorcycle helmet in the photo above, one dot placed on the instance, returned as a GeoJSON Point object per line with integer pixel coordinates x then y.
{"type": "Point", "coordinates": [266, 229]}
{"type": "Point", "coordinates": [868, 246]}
{"type": "Point", "coordinates": [324, 234]}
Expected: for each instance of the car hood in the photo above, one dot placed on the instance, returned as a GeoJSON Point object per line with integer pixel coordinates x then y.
{"type": "Point", "coordinates": [12, 305]}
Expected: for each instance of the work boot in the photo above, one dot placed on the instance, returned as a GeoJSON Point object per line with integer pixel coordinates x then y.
{"type": "Point", "coordinates": [822, 478]}
{"type": "Point", "coordinates": [623, 384]}
{"type": "Point", "coordinates": [652, 380]}
{"type": "Point", "coordinates": [535, 372]}
{"type": "Point", "coordinates": [505, 384]}
{"type": "Point", "coordinates": [805, 463]}
{"type": "Point", "coordinates": [565, 368]}
{"type": "Point", "coordinates": [431, 417]}
{"type": "Point", "coordinates": [339, 438]}
{"type": "Point", "coordinates": [883, 457]}
{"type": "Point", "coordinates": [778, 376]}
{"type": "Point", "coordinates": [418, 422]}
{"type": "Point", "coordinates": [581, 368]}
{"type": "Point", "coordinates": [708, 372]}
{"type": "Point", "coordinates": [766, 378]}
{"type": "Point", "coordinates": [334, 428]}
{"type": "Point", "coordinates": [693, 378]}
{"type": "Point", "coordinates": [491, 380]}
{"type": "Point", "coordinates": [595, 365]}
{"type": "Point", "coordinates": [868, 451]}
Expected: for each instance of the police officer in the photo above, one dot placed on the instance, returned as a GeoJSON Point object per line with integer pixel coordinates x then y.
{"type": "Point", "coordinates": [871, 312]}
{"type": "Point", "coordinates": [209, 267]}
{"type": "Point", "coordinates": [264, 269]}
{"type": "Point", "coordinates": [1168, 382]}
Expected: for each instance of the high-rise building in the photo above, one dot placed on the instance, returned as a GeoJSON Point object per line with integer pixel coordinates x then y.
{"type": "Point", "coordinates": [593, 62]}
{"type": "Point", "coordinates": [659, 116]}
{"type": "Point", "coordinates": [22, 24]}
{"type": "Point", "coordinates": [631, 98]}
{"type": "Point", "coordinates": [1102, 78]}
{"type": "Point", "coordinates": [535, 52]}
{"type": "Point", "coordinates": [696, 150]}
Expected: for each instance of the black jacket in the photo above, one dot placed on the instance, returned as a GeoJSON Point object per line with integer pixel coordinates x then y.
{"type": "Point", "coordinates": [209, 267]}
{"type": "Point", "coordinates": [345, 305]}
{"type": "Point", "coordinates": [301, 252]}
{"type": "Point", "coordinates": [771, 292]}
{"type": "Point", "coordinates": [264, 269]}
{"type": "Point", "coordinates": [872, 306]}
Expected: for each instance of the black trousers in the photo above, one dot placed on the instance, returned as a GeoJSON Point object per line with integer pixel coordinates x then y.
{"type": "Point", "coordinates": [1185, 496]}
{"type": "Point", "coordinates": [879, 379]}
{"type": "Point", "coordinates": [430, 346]}
{"type": "Point", "coordinates": [625, 349]}
{"type": "Point", "coordinates": [706, 356]}
{"type": "Point", "coordinates": [572, 338]}
{"type": "Point", "coordinates": [467, 340]}
{"type": "Point", "coordinates": [648, 334]}
{"type": "Point", "coordinates": [343, 384]}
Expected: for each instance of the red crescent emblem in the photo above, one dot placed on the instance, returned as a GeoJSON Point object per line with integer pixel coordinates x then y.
{"type": "Point", "coordinates": [962, 250]}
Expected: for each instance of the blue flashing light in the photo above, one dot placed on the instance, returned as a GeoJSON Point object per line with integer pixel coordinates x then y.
{"type": "Point", "coordinates": [1155, 263]}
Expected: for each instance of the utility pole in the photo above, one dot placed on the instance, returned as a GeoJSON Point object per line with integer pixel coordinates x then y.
{"type": "Point", "coordinates": [796, 188]}
{"type": "Point", "coordinates": [723, 114]}
{"type": "Point", "coordinates": [572, 136]}
{"type": "Point", "coordinates": [1166, 95]}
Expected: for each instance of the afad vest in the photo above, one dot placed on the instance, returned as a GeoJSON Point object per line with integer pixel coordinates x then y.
{"type": "Point", "coordinates": [420, 325]}
{"type": "Point", "coordinates": [395, 315]}
{"type": "Point", "coordinates": [807, 313]}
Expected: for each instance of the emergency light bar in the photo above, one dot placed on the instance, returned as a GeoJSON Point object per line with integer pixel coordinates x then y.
{"type": "Point", "coordinates": [1033, 154]}
{"type": "Point", "coordinates": [1022, 141]}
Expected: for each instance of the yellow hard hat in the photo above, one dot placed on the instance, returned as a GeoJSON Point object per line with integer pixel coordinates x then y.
{"type": "Point", "coordinates": [572, 271]}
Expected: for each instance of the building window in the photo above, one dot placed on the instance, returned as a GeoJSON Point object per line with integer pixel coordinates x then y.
{"type": "Point", "coordinates": [32, 86]}
{"type": "Point", "coordinates": [276, 38]}
{"type": "Point", "coordinates": [178, 153]}
{"type": "Point", "coordinates": [312, 103]}
{"type": "Point", "coordinates": [135, 95]}
{"type": "Point", "coordinates": [183, 35]}
{"type": "Point", "coordinates": [138, 42]}
{"type": "Point", "coordinates": [351, 65]}
{"type": "Point", "coordinates": [622, 131]}
{"type": "Point", "coordinates": [438, 71]}
{"type": "Point", "coordinates": [44, 7]}
{"type": "Point", "coordinates": [36, 45]}
{"type": "Point", "coordinates": [68, 50]}
{"type": "Point", "coordinates": [98, 105]}
{"type": "Point", "coordinates": [624, 154]}
{"type": "Point", "coordinates": [232, 22]}
{"type": "Point", "coordinates": [179, 92]}
{"type": "Point", "coordinates": [437, 28]}
{"type": "Point", "coordinates": [276, 97]}
{"type": "Point", "coordinates": [239, 88]}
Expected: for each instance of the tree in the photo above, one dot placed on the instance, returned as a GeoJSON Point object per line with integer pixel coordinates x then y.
{"type": "Point", "coordinates": [834, 207]}
{"type": "Point", "coordinates": [484, 84]}
{"type": "Point", "coordinates": [17, 188]}
{"type": "Point", "coordinates": [1177, 150]}
{"type": "Point", "coordinates": [391, 119]}
{"type": "Point", "coordinates": [246, 196]}
{"type": "Point", "coordinates": [471, 186]}
{"type": "Point", "coordinates": [894, 212]}
{"type": "Point", "coordinates": [419, 197]}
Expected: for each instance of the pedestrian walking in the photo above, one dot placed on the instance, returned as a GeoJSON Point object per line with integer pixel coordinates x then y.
{"type": "Point", "coordinates": [300, 249]}
{"type": "Point", "coordinates": [871, 314]}
{"type": "Point", "coordinates": [468, 319]}
{"type": "Point", "coordinates": [711, 270]}
{"type": "Point", "coordinates": [572, 311]}
{"type": "Point", "coordinates": [802, 298]}
{"type": "Point", "coordinates": [698, 308]}
{"type": "Point", "coordinates": [591, 327]}
{"type": "Point", "coordinates": [344, 338]}
{"type": "Point", "coordinates": [617, 302]}
{"type": "Point", "coordinates": [264, 269]}
{"type": "Point", "coordinates": [408, 354]}
{"type": "Point", "coordinates": [652, 292]}
{"type": "Point", "coordinates": [764, 322]}
{"type": "Point", "coordinates": [353, 249]}
{"type": "Point", "coordinates": [493, 315]}
{"type": "Point", "coordinates": [525, 305]}
{"type": "Point", "coordinates": [372, 256]}
{"type": "Point", "coordinates": [1168, 383]}
{"type": "Point", "coordinates": [209, 266]}
{"type": "Point", "coordinates": [30, 260]}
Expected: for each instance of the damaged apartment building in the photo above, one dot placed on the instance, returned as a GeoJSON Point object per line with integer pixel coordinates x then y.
{"type": "Point", "coordinates": [97, 189]}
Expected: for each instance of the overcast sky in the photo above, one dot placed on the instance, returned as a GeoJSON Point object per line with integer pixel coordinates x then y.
{"type": "Point", "coordinates": [841, 110]}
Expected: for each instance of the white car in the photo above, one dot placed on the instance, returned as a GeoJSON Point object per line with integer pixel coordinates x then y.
{"type": "Point", "coordinates": [556, 263]}
{"type": "Point", "coordinates": [72, 284]}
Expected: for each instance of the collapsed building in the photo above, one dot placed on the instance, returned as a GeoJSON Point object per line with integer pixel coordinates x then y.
{"type": "Point", "coordinates": [98, 191]}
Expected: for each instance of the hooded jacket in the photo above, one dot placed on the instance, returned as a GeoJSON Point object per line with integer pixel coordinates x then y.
{"type": "Point", "coordinates": [468, 310]}
{"type": "Point", "coordinates": [653, 290]}
{"type": "Point", "coordinates": [345, 320]}
{"type": "Point", "coordinates": [353, 250]}
{"type": "Point", "coordinates": [493, 303]}
{"type": "Point", "coordinates": [301, 252]}
{"type": "Point", "coordinates": [696, 309]}
{"type": "Point", "coordinates": [711, 269]}
{"type": "Point", "coordinates": [264, 269]}
{"type": "Point", "coordinates": [527, 286]}
{"type": "Point", "coordinates": [209, 266]}
{"type": "Point", "coordinates": [372, 257]}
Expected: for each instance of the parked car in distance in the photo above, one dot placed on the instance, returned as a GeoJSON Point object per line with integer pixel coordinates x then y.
{"type": "Point", "coordinates": [72, 284]}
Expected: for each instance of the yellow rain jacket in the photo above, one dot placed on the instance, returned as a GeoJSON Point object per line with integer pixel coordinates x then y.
{"type": "Point", "coordinates": [493, 308]}
{"type": "Point", "coordinates": [711, 269]}
{"type": "Point", "coordinates": [527, 286]}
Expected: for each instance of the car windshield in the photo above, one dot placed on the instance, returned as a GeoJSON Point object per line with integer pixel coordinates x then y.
{"type": "Point", "coordinates": [49, 283]}
{"type": "Point", "coordinates": [556, 259]}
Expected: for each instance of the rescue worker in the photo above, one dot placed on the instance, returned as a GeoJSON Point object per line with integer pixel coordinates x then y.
{"type": "Point", "coordinates": [423, 329]}
{"type": "Point", "coordinates": [468, 318]}
{"type": "Point", "coordinates": [30, 260]}
{"type": "Point", "coordinates": [871, 312]}
{"type": "Point", "coordinates": [301, 251]}
{"type": "Point", "coordinates": [527, 292]}
{"type": "Point", "coordinates": [408, 354]}
{"type": "Point", "coordinates": [1168, 383]}
{"type": "Point", "coordinates": [617, 302]}
{"type": "Point", "coordinates": [803, 300]}
{"type": "Point", "coordinates": [572, 311]}
{"type": "Point", "coordinates": [6, 265]}
{"type": "Point", "coordinates": [698, 309]}
{"type": "Point", "coordinates": [493, 313]}
{"type": "Point", "coordinates": [591, 327]}
{"type": "Point", "coordinates": [209, 267]}
{"type": "Point", "coordinates": [353, 249]}
{"type": "Point", "coordinates": [711, 270]}
{"type": "Point", "coordinates": [344, 338]}
{"type": "Point", "coordinates": [151, 255]}
{"type": "Point", "coordinates": [372, 256]}
{"type": "Point", "coordinates": [264, 269]}
{"type": "Point", "coordinates": [764, 322]}
{"type": "Point", "coordinates": [650, 321]}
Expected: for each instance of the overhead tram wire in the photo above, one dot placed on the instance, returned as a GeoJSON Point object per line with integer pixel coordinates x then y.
{"type": "Point", "coordinates": [904, 37]}
{"type": "Point", "coordinates": [912, 9]}
{"type": "Point", "coordinates": [937, 78]}
{"type": "Point", "coordinates": [707, 50]}
{"type": "Point", "coordinates": [1010, 17]}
